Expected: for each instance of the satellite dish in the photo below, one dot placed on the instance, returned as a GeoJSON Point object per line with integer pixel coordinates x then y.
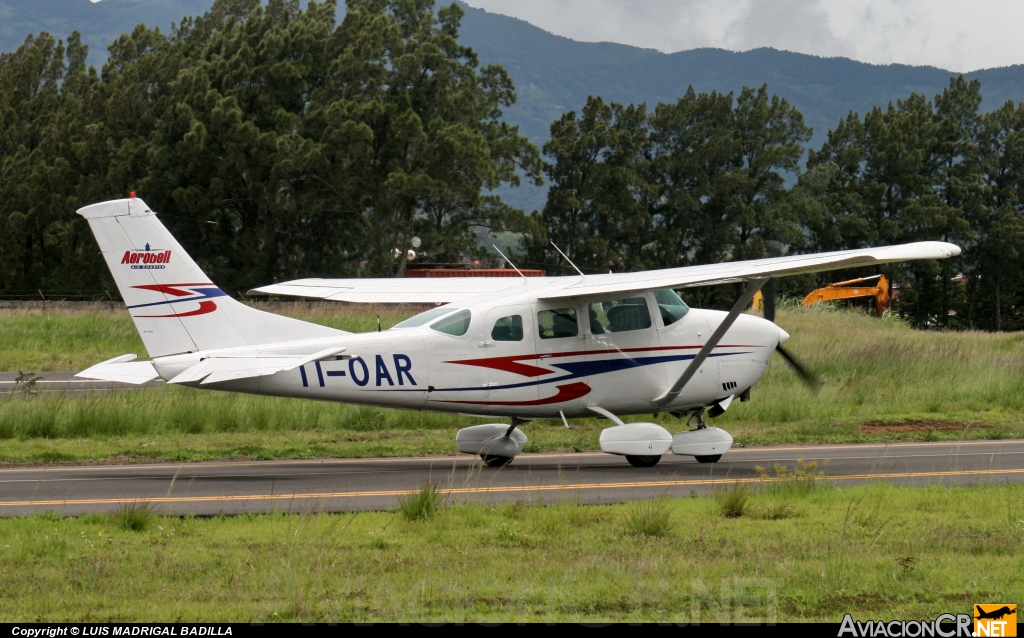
{"type": "Point", "coordinates": [410, 255]}
{"type": "Point", "coordinates": [415, 242]}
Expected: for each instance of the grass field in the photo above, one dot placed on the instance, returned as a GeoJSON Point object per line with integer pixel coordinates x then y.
{"type": "Point", "coordinates": [74, 337]}
{"type": "Point", "coordinates": [882, 381]}
{"type": "Point", "coordinates": [795, 551]}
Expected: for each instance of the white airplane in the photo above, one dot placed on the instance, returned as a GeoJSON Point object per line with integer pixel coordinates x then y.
{"type": "Point", "coordinates": [516, 348]}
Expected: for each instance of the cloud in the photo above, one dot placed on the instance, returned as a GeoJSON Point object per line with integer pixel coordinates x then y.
{"type": "Point", "coordinates": [950, 34]}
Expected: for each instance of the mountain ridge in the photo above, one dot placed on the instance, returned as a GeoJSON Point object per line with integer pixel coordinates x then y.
{"type": "Point", "coordinates": [554, 74]}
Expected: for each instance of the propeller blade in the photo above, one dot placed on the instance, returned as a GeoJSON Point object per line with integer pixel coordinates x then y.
{"type": "Point", "coordinates": [769, 295]}
{"type": "Point", "coordinates": [812, 382]}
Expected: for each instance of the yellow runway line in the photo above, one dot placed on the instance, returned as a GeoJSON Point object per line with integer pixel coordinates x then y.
{"type": "Point", "coordinates": [471, 459]}
{"type": "Point", "coordinates": [488, 490]}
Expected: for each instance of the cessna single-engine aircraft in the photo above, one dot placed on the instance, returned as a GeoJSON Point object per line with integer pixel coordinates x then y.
{"type": "Point", "coordinates": [515, 348]}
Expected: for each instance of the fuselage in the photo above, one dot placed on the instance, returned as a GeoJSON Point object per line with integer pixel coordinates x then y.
{"type": "Point", "coordinates": [522, 356]}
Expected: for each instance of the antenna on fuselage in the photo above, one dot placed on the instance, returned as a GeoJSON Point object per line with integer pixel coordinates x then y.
{"type": "Point", "coordinates": [509, 261]}
{"type": "Point", "coordinates": [567, 259]}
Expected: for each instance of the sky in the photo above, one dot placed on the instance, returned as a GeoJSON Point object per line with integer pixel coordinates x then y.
{"type": "Point", "coordinates": [957, 35]}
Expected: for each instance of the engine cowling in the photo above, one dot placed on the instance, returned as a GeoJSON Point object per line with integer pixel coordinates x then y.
{"type": "Point", "coordinates": [636, 439]}
{"type": "Point", "coordinates": [490, 440]}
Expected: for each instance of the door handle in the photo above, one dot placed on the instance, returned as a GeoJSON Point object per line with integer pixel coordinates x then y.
{"type": "Point", "coordinates": [485, 344]}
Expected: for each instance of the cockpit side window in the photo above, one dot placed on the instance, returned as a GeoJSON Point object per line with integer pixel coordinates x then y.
{"type": "Point", "coordinates": [508, 329]}
{"type": "Point", "coordinates": [671, 306]}
{"type": "Point", "coordinates": [455, 325]}
{"type": "Point", "coordinates": [557, 324]}
{"type": "Point", "coordinates": [620, 315]}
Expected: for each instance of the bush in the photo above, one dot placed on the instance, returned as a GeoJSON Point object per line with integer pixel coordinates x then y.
{"type": "Point", "coordinates": [421, 505]}
{"type": "Point", "coordinates": [775, 511]}
{"type": "Point", "coordinates": [801, 480]}
{"type": "Point", "coordinates": [134, 516]}
{"type": "Point", "coordinates": [733, 501]}
{"type": "Point", "coordinates": [649, 518]}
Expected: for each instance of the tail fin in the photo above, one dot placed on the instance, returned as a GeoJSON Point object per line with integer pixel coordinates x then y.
{"type": "Point", "coordinates": [175, 306]}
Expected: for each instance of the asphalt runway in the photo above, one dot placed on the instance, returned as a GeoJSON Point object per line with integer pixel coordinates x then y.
{"type": "Point", "coordinates": [376, 484]}
{"type": "Point", "coordinates": [66, 383]}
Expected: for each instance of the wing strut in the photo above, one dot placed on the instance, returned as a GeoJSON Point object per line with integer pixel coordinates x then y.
{"type": "Point", "coordinates": [753, 285]}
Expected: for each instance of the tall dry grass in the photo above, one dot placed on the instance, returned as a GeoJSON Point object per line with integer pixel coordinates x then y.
{"type": "Point", "coordinates": [68, 336]}
{"type": "Point", "coordinates": [882, 370]}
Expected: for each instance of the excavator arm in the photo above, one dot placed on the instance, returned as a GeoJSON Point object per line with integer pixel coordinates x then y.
{"type": "Point", "coordinates": [853, 289]}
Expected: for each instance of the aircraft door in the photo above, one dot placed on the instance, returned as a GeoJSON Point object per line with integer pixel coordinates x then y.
{"type": "Point", "coordinates": [558, 338]}
{"type": "Point", "coordinates": [625, 362]}
{"type": "Point", "coordinates": [683, 333]}
{"type": "Point", "coordinates": [452, 354]}
{"type": "Point", "coordinates": [511, 369]}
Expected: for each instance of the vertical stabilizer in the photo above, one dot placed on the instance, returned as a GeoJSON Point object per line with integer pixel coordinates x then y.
{"type": "Point", "coordinates": [176, 308]}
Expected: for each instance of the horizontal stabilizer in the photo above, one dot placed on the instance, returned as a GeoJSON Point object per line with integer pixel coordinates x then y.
{"type": "Point", "coordinates": [220, 369]}
{"type": "Point", "coordinates": [118, 369]}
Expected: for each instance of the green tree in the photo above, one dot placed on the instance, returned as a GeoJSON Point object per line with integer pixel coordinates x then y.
{"type": "Point", "coordinates": [414, 130]}
{"type": "Point", "coordinates": [275, 142]}
{"type": "Point", "coordinates": [770, 135]}
{"type": "Point", "coordinates": [907, 173]}
{"type": "Point", "coordinates": [992, 260]}
{"type": "Point", "coordinates": [46, 93]}
{"type": "Point", "coordinates": [594, 210]}
{"type": "Point", "coordinates": [694, 151]}
{"type": "Point", "coordinates": [697, 181]}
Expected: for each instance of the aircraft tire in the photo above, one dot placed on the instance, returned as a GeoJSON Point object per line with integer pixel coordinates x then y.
{"type": "Point", "coordinates": [492, 460]}
{"type": "Point", "coordinates": [643, 460]}
{"type": "Point", "coordinates": [711, 458]}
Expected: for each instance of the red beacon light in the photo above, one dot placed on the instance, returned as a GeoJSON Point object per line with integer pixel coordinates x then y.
{"type": "Point", "coordinates": [131, 195]}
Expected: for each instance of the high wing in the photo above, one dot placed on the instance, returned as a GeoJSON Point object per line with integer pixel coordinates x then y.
{"type": "Point", "coordinates": [729, 272]}
{"type": "Point", "coordinates": [394, 290]}
{"type": "Point", "coordinates": [447, 290]}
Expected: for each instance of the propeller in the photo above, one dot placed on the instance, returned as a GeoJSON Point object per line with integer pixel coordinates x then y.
{"type": "Point", "coordinates": [769, 295]}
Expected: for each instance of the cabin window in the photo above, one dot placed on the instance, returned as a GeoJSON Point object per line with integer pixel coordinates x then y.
{"type": "Point", "coordinates": [557, 324]}
{"type": "Point", "coordinates": [620, 315]}
{"type": "Point", "coordinates": [455, 325]}
{"type": "Point", "coordinates": [425, 317]}
{"type": "Point", "coordinates": [672, 307]}
{"type": "Point", "coordinates": [508, 329]}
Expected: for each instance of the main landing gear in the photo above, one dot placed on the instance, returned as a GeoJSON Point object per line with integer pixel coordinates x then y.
{"type": "Point", "coordinates": [643, 444]}
{"type": "Point", "coordinates": [496, 443]}
{"type": "Point", "coordinates": [701, 425]}
{"type": "Point", "coordinates": [643, 460]}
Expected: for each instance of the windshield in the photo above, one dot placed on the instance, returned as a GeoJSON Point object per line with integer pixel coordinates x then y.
{"type": "Point", "coordinates": [426, 317]}
{"type": "Point", "coordinates": [671, 306]}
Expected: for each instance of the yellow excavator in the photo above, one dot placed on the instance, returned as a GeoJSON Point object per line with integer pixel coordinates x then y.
{"type": "Point", "coordinates": [852, 289]}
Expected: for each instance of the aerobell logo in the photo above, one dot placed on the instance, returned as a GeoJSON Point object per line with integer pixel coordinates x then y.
{"type": "Point", "coordinates": [146, 259]}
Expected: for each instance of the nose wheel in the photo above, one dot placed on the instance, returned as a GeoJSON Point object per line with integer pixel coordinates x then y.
{"type": "Point", "coordinates": [644, 460]}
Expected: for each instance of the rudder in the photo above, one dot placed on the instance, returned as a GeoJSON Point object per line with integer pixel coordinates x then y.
{"type": "Point", "coordinates": [175, 307]}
